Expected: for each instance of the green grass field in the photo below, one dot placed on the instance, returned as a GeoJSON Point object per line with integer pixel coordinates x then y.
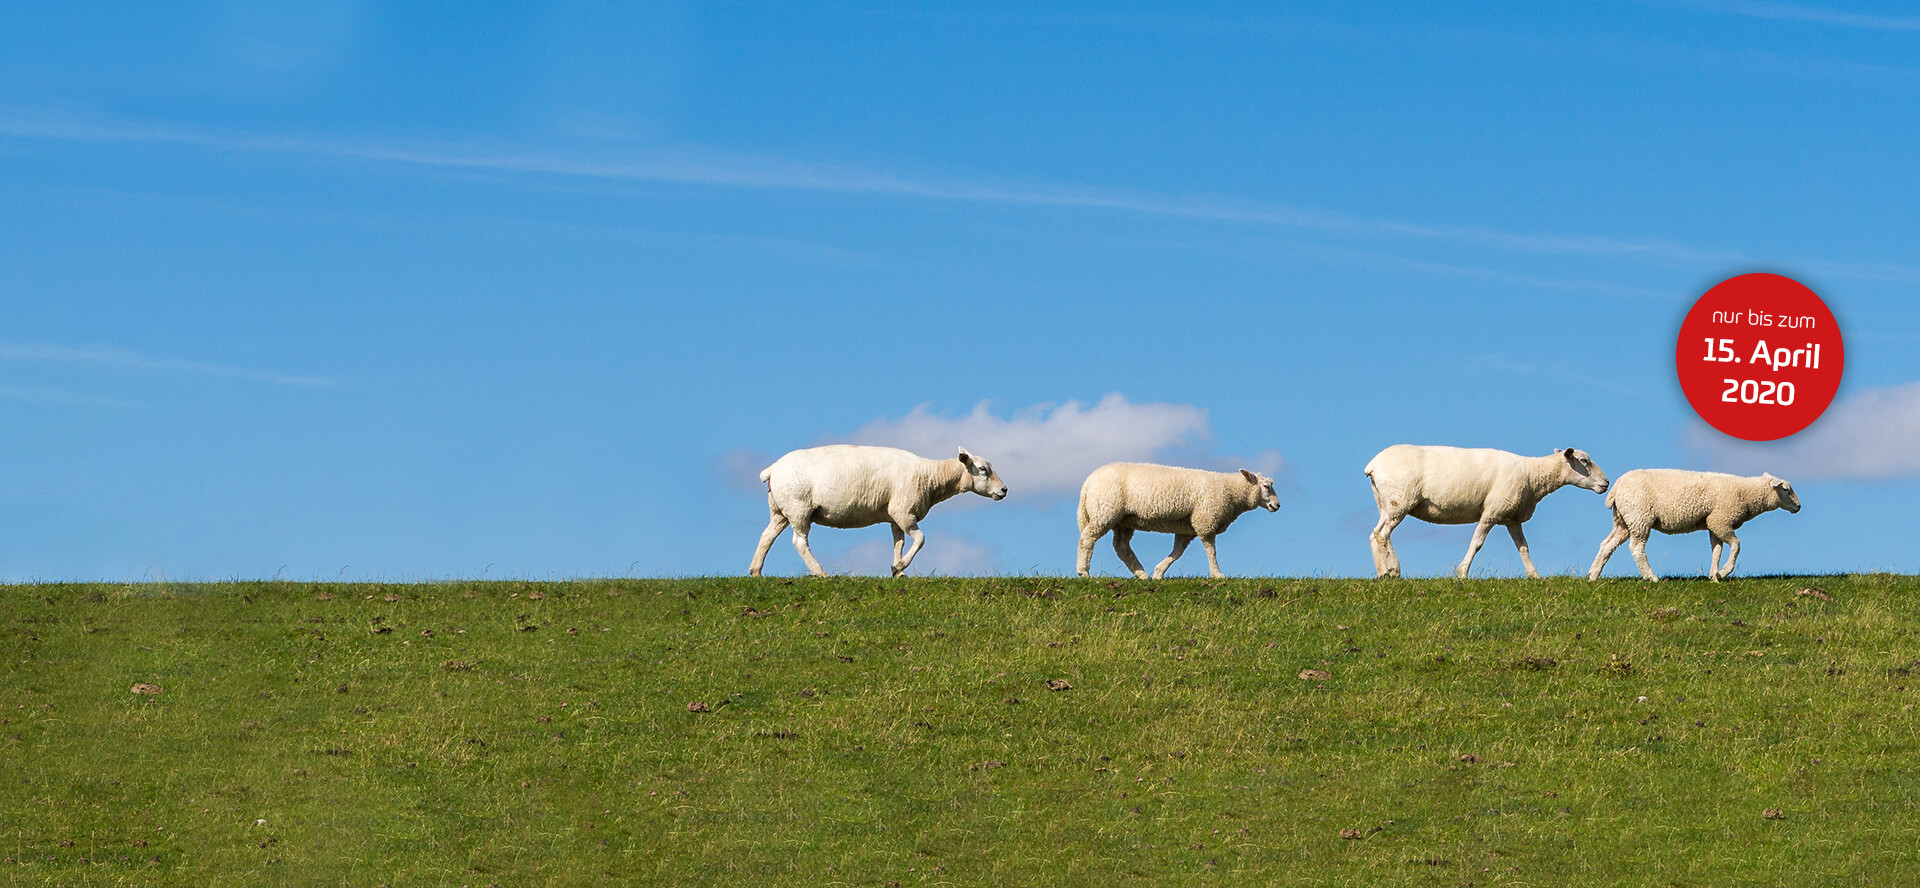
{"type": "Point", "coordinates": [1008, 731]}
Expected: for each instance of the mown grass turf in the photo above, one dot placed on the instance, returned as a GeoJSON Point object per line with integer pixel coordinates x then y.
{"type": "Point", "coordinates": [872, 731]}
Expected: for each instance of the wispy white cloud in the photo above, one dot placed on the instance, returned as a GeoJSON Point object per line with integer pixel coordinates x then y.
{"type": "Point", "coordinates": [691, 165]}
{"type": "Point", "coordinates": [60, 396]}
{"type": "Point", "coordinates": [1867, 436]}
{"type": "Point", "coordinates": [1045, 450]}
{"type": "Point", "coordinates": [1800, 12]}
{"type": "Point", "coordinates": [1556, 370]}
{"type": "Point", "coordinates": [111, 357]}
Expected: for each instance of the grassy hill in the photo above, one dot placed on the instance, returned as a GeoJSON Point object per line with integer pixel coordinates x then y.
{"type": "Point", "coordinates": [1007, 731]}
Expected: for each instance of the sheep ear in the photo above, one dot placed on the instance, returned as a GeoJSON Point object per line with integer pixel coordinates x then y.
{"type": "Point", "coordinates": [1251, 477]}
{"type": "Point", "coordinates": [966, 457]}
{"type": "Point", "coordinates": [1568, 453]}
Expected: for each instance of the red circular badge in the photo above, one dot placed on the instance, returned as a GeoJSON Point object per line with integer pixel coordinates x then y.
{"type": "Point", "coordinates": [1759, 357]}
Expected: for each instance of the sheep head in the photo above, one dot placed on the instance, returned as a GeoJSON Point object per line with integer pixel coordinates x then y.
{"type": "Point", "coordinates": [981, 478]}
{"type": "Point", "coordinates": [1783, 494]}
{"type": "Point", "coordinates": [1582, 471]}
{"type": "Point", "coordinates": [1264, 497]}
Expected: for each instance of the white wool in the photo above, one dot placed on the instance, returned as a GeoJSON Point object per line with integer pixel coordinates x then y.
{"type": "Point", "coordinates": [1678, 501]}
{"type": "Point", "coordinates": [1125, 497]}
{"type": "Point", "coordinates": [850, 485]}
{"type": "Point", "coordinates": [1481, 486]}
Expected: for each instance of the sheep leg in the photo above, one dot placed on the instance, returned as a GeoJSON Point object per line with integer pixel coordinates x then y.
{"type": "Point", "coordinates": [1473, 548]}
{"type": "Point", "coordinates": [1213, 561]}
{"type": "Point", "coordinates": [1639, 545]}
{"type": "Point", "coordinates": [1722, 538]}
{"type": "Point", "coordinates": [774, 528]}
{"type": "Point", "coordinates": [919, 539]}
{"type": "Point", "coordinates": [806, 552]}
{"type": "Point", "coordinates": [899, 540]}
{"type": "Point", "coordinates": [1520, 542]}
{"type": "Point", "coordinates": [1123, 547]}
{"type": "Point", "coordinates": [1385, 562]}
{"type": "Point", "coordinates": [1612, 542]}
{"type": "Point", "coordinates": [1088, 537]}
{"type": "Point", "coordinates": [1180, 541]}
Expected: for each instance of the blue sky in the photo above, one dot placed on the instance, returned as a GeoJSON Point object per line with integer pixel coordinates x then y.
{"type": "Point", "coordinates": [410, 291]}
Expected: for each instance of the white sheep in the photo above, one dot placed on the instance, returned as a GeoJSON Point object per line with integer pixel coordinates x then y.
{"type": "Point", "coordinates": [1188, 503]}
{"type": "Point", "coordinates": [1679, 501]}
{"type": "Point", "coordinates": [1480, 486]}
{"type": "Point", "coordinates": [850, 485]}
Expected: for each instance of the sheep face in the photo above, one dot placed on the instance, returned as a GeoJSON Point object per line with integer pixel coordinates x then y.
{"type": "Point", "coordinates": [1783, 494]}
{"type": "Point", "coordinates": [1267, 499]}
{"type": "Point", "coordinates": [981, 478]}
{"type": "Point", "coordinates": [1583, 471]}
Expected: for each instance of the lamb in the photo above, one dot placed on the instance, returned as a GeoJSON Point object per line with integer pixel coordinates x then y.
{"type": "Point", "coordinates": [848, 485]}
{"type": "Point", "coordinates": [1188, 503]}
{"type": "Point", "coordinates": [1680, 501]}
{"type": "Point", "coordinates": [1483, 487]}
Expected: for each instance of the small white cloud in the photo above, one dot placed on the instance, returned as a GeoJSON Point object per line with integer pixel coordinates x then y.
{"type": "Point", "coordinates": [740, 468]}
{"type": "Point", "coordinates": [1267, 462]}
{"type": "Point", "coordinates": [1868, 436]}
{"type": "Point", "coordinates": [944, 554]}
{"type": "Point", "coordinates": [1047, 450]}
